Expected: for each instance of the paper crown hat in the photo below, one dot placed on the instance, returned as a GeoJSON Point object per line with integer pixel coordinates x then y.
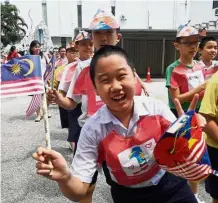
{"type": "Point", "coordinates": [104, 21]}
{"type": "Point", "coordinates": [83, 35]}
{"type": "Point", "coordinates": [182, 149]}
{"type": "Point", "coordinates": [70, 45]}
{"type": "Point", "coordinates": [186, 31]}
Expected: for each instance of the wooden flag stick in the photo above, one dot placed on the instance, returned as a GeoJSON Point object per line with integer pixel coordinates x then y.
{"type": "Point", "coordinates": [53, 71]}
{"type": "Point", "coordinates": [45, 118]}
{"type": "Point", "coordinates": [46, 125]}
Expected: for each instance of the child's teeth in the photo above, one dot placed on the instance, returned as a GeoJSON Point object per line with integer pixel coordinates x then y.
{"type": "Point", "coordinates": [118, 97]}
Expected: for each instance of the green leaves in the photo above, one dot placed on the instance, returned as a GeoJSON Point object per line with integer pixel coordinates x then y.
{"type": "Point", "coordinates": [12, 25]}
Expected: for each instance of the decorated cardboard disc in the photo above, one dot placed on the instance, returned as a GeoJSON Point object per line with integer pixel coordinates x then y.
{"type": "Point", "coordinates": [182, 149]}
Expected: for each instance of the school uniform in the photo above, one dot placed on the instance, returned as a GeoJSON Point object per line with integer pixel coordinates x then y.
{"type": "Point", "coordinates": [69, 118]}
{"type": "Point", "coordinates": [210, 70]}
{"type": "Point", "coordinates": [209, 106]}
{"type": "Point", "coordinates": [185, 78]}
{"type": "Point", "coordinates": [127, 153]}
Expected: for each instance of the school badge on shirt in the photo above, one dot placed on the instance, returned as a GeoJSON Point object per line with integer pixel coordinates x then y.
{"type": "Point", "coordinates": [137, 159]}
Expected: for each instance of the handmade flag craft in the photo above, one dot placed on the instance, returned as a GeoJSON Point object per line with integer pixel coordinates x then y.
{"type": "Point", "coordinates": [104, 20]}
{"type": "Point", "coordinates": [21, 76]}
{"type": "Point", "coordinates": [182, 149]}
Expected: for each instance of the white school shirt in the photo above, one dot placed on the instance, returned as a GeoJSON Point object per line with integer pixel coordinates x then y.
{"type": "Point", "coordinates": [101, 124]}
{"type": "Point", "coordinates": [80, 98]}
{"type": "Point", "coordinates": [214, 63]}
{"type": "Point", "coordinates": [64, 86]}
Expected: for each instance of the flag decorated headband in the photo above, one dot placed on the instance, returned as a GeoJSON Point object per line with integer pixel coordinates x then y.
{"type": "Point", "coordinates": [103, 21]}
{"type": "Point", "coordinates": [186, 31]}
{"type": "Point", "coordinates": [83, 35]}
{"type": "Point", "coordinates": [182, 149]}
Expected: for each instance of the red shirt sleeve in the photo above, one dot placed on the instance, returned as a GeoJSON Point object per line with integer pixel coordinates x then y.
{"type": "Point", "coordinates": [174, 80]}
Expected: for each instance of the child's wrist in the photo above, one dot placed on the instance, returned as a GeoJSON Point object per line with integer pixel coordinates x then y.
{"type": "Point", "coordinates": [65, 178]}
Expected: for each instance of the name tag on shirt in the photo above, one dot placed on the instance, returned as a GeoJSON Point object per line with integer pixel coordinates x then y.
{"type": "Point", "coordinates": [194, 79]}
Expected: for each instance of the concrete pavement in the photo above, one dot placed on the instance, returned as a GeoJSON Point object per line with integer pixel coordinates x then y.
{"type": "Point", "coordinates": [21, 137]}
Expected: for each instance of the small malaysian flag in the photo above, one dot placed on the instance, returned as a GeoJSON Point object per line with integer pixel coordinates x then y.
{"type": "Point", "coordinates": [36, 101]}
{"type": "Point", "coordinates": [49, 70]}
{"type": "Point", "coordinates": [21, 76]}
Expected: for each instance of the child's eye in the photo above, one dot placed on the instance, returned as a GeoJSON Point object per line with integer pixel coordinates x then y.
{"type": "Point", "coordinates": [104, 81]}
{"type": "Point", "coordinates": [123, 75]}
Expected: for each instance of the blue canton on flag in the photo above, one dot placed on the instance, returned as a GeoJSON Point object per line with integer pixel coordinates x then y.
{"type": "Point", "coordinates": [22, 76]}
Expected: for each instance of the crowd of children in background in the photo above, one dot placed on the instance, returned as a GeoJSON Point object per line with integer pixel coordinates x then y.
{"type": "Point", "coordinates": [84, 82]}
{"type": "Point", "coordinates": [186, 77]}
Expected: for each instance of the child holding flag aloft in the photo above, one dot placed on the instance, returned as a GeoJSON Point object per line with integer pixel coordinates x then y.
{"type": "Point", "coordinates": [121, 135]}
{"type": "Point", "coordinates": [84, 45]}
{"type": "Point", "coordinates": [72, 57]}
{"type": "Point", "coordinates": [185, 77]}
{"type": "Point", "coordinates": [105, 31]}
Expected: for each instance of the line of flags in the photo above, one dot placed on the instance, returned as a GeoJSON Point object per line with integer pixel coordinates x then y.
{"type": "Point", "coordinates": [23, 76]}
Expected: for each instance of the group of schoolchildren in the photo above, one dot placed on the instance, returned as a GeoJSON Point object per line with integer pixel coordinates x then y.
{"type": "Point", "coordinates": [119, 126]}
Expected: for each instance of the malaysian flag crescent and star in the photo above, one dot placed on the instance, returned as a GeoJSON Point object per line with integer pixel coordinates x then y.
{"type": "Point", "coordinates": [22, 76]}
{"type": "Point", "coordinates": [182, 149]}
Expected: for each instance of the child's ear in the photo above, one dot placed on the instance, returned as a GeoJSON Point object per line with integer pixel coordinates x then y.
{"type": "Point", "coordinates": [176, 45]}
{"type": "Point", "coordinates": [119, 36]}
{"type": "Point", "coordinates": [96, 91]}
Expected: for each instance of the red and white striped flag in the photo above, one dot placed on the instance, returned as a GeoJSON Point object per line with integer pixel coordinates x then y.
{"type": "Point", "coordinates": [36, 101]}
{"type": "Point", "coordinates": [35, 104]}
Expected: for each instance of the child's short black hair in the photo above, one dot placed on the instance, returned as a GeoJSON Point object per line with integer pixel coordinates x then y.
{"type": "Point", "coordinates": [204, 40]}
{"type": "Point", "coordinates": [107, 51]}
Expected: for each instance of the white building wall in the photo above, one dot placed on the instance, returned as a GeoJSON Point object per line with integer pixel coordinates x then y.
{"type": "Point", "coordinates": [160, 14]}
{"type": "Point", "coordinates": [203, 12]}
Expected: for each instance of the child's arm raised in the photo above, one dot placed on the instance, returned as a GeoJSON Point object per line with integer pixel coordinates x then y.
{"type": "Point", "coordinates": [70, 186]}
{"type": "Point", "coordinates": [55, 97]}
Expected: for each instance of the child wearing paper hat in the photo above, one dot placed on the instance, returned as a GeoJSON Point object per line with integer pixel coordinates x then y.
{"type": "Point", "coordinates": [72, 57]}
{"type": "Point", "coordinates": [185, 77]}
{"type": "Point", "coordinates": [105, 31]}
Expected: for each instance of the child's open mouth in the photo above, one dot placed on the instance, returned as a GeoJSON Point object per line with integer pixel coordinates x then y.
{"type": "Point", "coordinates": [119, 98]}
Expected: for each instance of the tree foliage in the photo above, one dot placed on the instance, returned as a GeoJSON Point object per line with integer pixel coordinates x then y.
{"type": "Point", "coordinates": [12, 25]}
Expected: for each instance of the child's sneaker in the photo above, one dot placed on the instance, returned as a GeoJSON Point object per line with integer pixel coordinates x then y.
{"type": "Point", "coordinates": [38, 118]}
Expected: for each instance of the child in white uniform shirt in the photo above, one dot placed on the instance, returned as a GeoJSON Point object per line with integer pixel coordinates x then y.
{"type": "Point", "coordinates": [208, 52]}
{"type": "Point", "coordinates": [84, 45]}
{"type": "Point", "coordinates": [121, 135]}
